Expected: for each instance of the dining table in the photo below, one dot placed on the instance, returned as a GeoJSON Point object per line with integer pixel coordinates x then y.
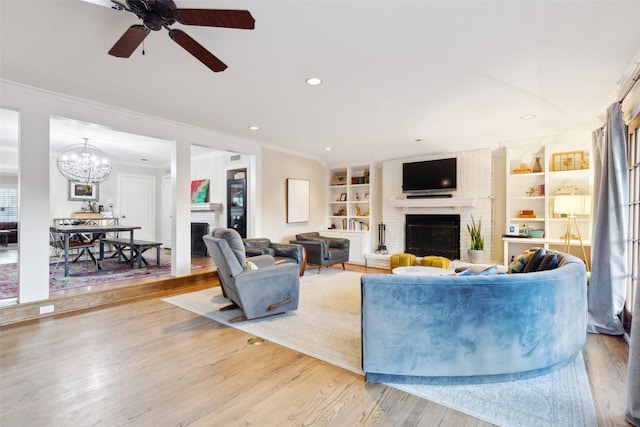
{"type": "Point", "coordinates": [94, 233]}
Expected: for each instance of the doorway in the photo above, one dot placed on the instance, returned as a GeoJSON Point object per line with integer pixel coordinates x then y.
{"type": "Point", "coordinates": [137, 194]}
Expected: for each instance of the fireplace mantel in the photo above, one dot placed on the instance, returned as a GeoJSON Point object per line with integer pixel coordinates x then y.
{"type": "Point", "coordinates": [200, 207]}
{"type": "Point", "coordinates": [449, 202]}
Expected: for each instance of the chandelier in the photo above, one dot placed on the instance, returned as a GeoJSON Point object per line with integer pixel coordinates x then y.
{"type": "Point", "coordinates": [84, 163]}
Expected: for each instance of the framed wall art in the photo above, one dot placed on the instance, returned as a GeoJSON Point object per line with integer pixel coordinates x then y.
{"type": "Point", "coordinates": [569, 161]}
{"type": "Point", "coordinates": [297, 200]}
{"type": "Point", "coordinates": [82, 192]}
{"type": "Point", "coordinates": [200, 191]}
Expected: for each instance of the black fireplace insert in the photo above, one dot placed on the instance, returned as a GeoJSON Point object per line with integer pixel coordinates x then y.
{"type": "Point", "coordinates": [433, 235]}
{"type": "Point", "coordinates": [198, 229]}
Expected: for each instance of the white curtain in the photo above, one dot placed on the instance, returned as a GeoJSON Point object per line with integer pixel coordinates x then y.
{"type": "Point", "coordinates": [607, 288]}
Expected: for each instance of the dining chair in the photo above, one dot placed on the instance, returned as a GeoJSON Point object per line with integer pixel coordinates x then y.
{"type": "Point", "coordinates": [56, 242]}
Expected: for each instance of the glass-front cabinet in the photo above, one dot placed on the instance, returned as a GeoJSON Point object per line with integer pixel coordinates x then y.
{"type": "Point", "coordinates": [237, 205]}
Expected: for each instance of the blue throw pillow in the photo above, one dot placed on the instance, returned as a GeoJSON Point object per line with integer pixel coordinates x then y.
{"type": "Point", "coordinates": [534, 261]}
{"type": "Point", "coordinates": [489, 270]}
{"type": "Point", "coordinates": [549, 262]}
{"type": "Point", "coordinates": [466, 272]}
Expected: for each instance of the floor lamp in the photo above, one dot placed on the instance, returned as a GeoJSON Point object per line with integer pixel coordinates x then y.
{"type": "Point", "coordinates": [572, 205]}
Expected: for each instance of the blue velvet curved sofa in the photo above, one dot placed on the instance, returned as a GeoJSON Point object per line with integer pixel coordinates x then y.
{"type": "Point", "coordinates": [474, 328]}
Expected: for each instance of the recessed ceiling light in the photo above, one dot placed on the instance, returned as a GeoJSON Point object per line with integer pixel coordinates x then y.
{"type": "Point", "coordinates": [253, 128]}
{"type": "Point", "coordinates": [144, 160]}
{"type": "Point", "coordinates": [327, 148]}
{"type": "Point", "coordinates": [418, 140]}
{"type": "Point", "coordinates": [313, 81]}
{"type": "Point", "coordinates": [528, 117]}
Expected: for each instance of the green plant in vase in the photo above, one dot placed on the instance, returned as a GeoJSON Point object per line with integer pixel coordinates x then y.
{"type": "Point", "coordinates": [476, 252]}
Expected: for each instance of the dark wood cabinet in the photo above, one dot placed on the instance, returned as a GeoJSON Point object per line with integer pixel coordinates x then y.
{"type": "Point", "coordinates": [237, 205]}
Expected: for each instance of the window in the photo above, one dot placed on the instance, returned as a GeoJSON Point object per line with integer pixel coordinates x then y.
{"type": "Point", "coordinates": [633, 239]}
{"type": "Point", "coordinates": [8, 205]}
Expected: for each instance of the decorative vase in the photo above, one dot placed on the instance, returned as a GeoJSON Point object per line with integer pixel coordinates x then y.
{"type": "Point", "coordinates": [475, 256]}
{"type": "Point", "coordinates": [537, 167]}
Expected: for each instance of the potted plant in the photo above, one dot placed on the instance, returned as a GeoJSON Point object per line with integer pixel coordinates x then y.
{"type": "Point", "coordinates": [476, 252]}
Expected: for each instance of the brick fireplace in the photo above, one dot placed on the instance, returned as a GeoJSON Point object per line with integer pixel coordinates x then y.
{"type": "Point", "coordinates": [472, 197]}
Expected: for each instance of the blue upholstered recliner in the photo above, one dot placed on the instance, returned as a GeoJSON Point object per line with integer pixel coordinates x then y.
{"type": "Point", "coordinates": [264, 291]}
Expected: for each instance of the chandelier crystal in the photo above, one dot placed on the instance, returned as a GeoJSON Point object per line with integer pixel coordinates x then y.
{"type": "Point", "coordinates": [84, 163]}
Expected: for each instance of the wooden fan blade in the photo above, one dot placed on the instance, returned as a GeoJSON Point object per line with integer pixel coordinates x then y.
{"type": "Point", "coordinates": [129, 41]}
{"type": "Point", "coordinates": [197, 50]}
{"type": "Point", "coordinates": [241, 19]}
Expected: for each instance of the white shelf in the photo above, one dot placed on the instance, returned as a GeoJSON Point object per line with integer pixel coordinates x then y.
{"type": "Point", "coordinates": [206, 207]}
{"type": "Point", "coordinates": [526, 174]}
{"type": "Point", "coordinates": [527, 198]}
{"type": "Point", "coordinates": [452, 202]}
{"type": "Point", "coordinates": [545, 241]}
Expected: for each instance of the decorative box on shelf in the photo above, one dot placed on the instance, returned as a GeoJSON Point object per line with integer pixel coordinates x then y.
{"type": "Point", "coordinates": [527, 213]}
{"type": "Point", "coordinates": [521, 170]}
{"type": "Point", "coordinates": [339, 178]}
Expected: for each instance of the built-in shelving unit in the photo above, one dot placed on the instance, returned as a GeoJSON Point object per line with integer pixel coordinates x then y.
{"type": "Point", "coordinates": [350, 198]}
{"type": "Point", "coordinates": [563, 169]}
{"type": "Point", "coordinates": [350, 208]}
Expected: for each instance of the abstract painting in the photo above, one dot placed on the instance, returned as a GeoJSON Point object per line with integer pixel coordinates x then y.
{"type": "Point", "coordinates": [200, 191]}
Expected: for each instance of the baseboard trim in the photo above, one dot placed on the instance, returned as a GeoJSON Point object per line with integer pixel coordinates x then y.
{"type": "Point", "coordinates": [126, 292]}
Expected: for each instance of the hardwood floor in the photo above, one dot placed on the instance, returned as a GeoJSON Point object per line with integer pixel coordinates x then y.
{"type": "Point", "coordinates": [148, 362]}
{"type": "Point", "coordinates": [70, 300]}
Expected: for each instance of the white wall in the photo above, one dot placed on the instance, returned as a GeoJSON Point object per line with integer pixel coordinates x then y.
{"type": "Point", "coordinates": [60, 207]}
{"type": "Point", "coordinates": [474, 181]}
{"type": "Point", "coordinates": [9, 180]}
{"type": "Point", "coordinates": [211, 166]}
{"type": "Point", "coordinates": [276, 168]}
{"type": "Point", "coordinates": [499, 190]}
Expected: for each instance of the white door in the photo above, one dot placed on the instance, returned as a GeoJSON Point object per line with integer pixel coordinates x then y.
{"type": "Point", "coordinates": [137, 200]}
{"type": "Point", "coordinates": [167, 211]}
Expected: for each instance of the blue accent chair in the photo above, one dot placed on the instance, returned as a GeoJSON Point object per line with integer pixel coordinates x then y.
{"type": "Point", "coordinates": [261, 289]}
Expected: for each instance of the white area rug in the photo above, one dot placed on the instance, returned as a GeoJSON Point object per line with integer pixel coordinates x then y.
{"type": "Point", "coordinates": [327, 326]}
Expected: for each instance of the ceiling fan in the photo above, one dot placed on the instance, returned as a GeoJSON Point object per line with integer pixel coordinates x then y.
{"type": "Point", "coordinates": [156, 14]}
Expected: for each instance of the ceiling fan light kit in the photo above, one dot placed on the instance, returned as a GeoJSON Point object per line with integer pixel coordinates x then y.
{"type": "Point", "coordinates": [156, 14]}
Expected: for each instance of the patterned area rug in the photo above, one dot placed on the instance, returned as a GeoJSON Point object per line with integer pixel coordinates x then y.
{"type": "Point", "coordinates": [84, 274]}
{"type": "Point", "coordinates": [327, 326]}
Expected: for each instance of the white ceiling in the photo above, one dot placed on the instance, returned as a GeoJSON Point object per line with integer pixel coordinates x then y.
{"type": "Point", "coordinates": [457, 75]}
{"type": "Point", "coordinates": [122, 148]}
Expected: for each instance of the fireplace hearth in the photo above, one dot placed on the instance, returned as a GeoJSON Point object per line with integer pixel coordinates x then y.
{"type": "Point", "coordinates": [433, 235]}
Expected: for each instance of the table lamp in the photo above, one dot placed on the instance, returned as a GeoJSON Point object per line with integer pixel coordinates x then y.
{"type": "Point", "coordinates": [572, 205]}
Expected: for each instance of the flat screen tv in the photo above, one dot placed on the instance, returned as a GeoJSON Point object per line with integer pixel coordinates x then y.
{"type": "Point", "coordinates": [429, 176]}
